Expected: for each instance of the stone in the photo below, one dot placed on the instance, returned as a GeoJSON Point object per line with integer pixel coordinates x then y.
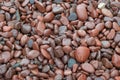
{"type": "Point", "coordinates": [59, 63]}
{"type": "Point", "coordinates": [25, 3]}
{"type": "Point", "coordinates": [6, 56]}
{"type": "Point", "coordinates": [90, 25]}
{"type": "Point", "coordinates": [107, 12]}
{"type": "Point", "coordinates": [39, 6]}
{"type": "Point", "coordinates": [30, 43]}
{"type": "Point", "coordinates": [33, 54]}
{"type": "Point", "coordinates": [116, 60]}
{"type": "Point", "coordinates": [49, 17]}
{"type": "Point", "coordinates": [62, 30]}
{"type": "Point", "coordinates": [81, 12]}
{"type": "Point", "coordinates": [71, 62]}
{"type": "Point", "coordinates": [45, 54]}
{"type": "Point", "coordinates": [82, 77]}
{"type": "Point", "coordinates": [32, 1]}
{"type": "Point", "coordinates": [57, 9]}
{"type": "Point", "coordinates": [72, 16]}
{"type": "Point", "coordinates": [88, 67]}
{"type": "Point", "coordinates": [26, 29]}
{"type": "Point", "coordinates": [45, 68]}
{"type": "Point", "coordinates": [117, 37]}
{"type": "Point", "coordinates": [3, 68]}
{"type": "Point", "coordinates": [66, 42]}
{"type": "Point", "coordinates": [107, 63]}
{"type": "Point", "coordinates": [101, 5]}
{"type": "Point", "coordinates": [105, 44]}
{"type": "Point", "coordinates": [82, 53]}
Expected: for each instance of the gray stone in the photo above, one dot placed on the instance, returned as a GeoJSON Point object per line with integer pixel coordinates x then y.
{"type": "Point", "coordinates": [62, 30]}
{"type": "Point", "coordinates": [72, 16]}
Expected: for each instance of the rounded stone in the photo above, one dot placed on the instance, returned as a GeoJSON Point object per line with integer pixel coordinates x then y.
{"type": "Point", "coordinates": [72, 16]}
{"type": "Point", "coordinates": [26, 28]}
{"type": "Point", "coordinates": [82, 53]}
{"type": "Point", "coordinates": [71, 62]}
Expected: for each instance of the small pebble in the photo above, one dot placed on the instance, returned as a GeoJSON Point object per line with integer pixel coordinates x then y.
{"type": "Point", "coordinates": [117, 37]}
{"type": "Point", "coordinates": [66, 42]}
{"type": "Point", "coordinates": [58, 1]}
{"type": "Point", "coordinates": [40, 6]}
{"type": "Point", "coordinates": [30, 43]}
{"type": "Point", "coordinates": [26, 29]}
{"type": "Point", "coordinates": [33, 54]}
{"type": "Point", "coordinates": [105, 44]}
{"type": "Point", "coordinates": [99, 78]}
{"type": "Point", "coordinates": [45, 68]}
{"type": "Point", "coordinates": [88, 67]}
{"type": "Point", "coordinates": [107, 12]}
{"type": "Point", "coordinates": [71, 62]}
{"type": "Point", "coordinates": [82, 54]}
{"type": "Point", "coordinates": [57, 9]}
{"type": "Point", "coordinates": [62, 30]}
{"type": "Point", "coordinates": [72, 16]}
{"type": "Point", "coordinates": [3, 69]}
{"type": "Point", "coordinates": [6, 56]}
{"type": "Point", "coordinates": [32, 1]}
{"type": "Point", "coordinates": [101, 5]}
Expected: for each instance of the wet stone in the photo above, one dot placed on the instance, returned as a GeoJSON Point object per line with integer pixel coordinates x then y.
{"type": "Point", "coordinates": [30, 43]}
{"type": "Point", "coordinates": [62, 30]}
{"type": "Point", "coordinates": [72, 16]}
{"type": "Point", "coordinates": [71, 62]}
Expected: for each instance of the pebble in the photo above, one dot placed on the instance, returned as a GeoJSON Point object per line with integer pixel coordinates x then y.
{"type": "Point", "coordinates": [25, 62]}
{"type": "Point", "coordinates": [26, 28]}
{"type": "Point", "coordinates": [58, 77]}
{"type": "Point", "coordinates": [116, 60]}
{"type": "Point", "coordinates": [58, 1]}
{"type": "Point", "coordinates": [33, 54]}
{"type": "Point", "coordinates": [64, 20]}
{"type": "Point", "coordinates": [82, 54]}
{"type": "Point", "coordinates": [114, 73]}
{"type": "Point", "coordinates": [39, 6]}
{"type": "Point", "coordinates": [101, 5]}
{"type": "Point", "coordinates": [108, 24]}
{"type": "Point", "coordinates": [2, 17]}
{"type": "Point", "coordinates": [71, 62]}
{"type": "Point", "coordinates": [9, 73]}
{"type": "Point", "coordinates": [82, 77]}
{"type": "Point", "coordinates": [90, 25]}
{"type": "Point", "coordinates": [107, 12]}
{"type": "Point", "coordinates": [111, 34]}
{"type": "Point", "coordinates": [98, 78]}
{"type": "Point", "coordinates": [116, 26]}
{"type": "Point", "coordinates": [67, 72]}
{"type": "Point", "coordinates": [67, 49]}
{"type": "Point", "coordinates": [88, 67]}
{"type": "Point", "coordinates": [107, 63]}
{"type": "Point", "coordinates": [45, 54]}
{"type": "Point", "coordinates": [91, 41]}
{"type": "Point", "coordinates": [25, 3]}
{"type": "Point", "coordinates": [45, 68]}
{"type": "Point", "coordinates": [30, 43]}
{"type": "Point", "coordinates": [57, 9]}
{"type": "Point", "coordinates": [32, 1]}
{"type": "Point", "coordinates": [62, 30]}
{"type": "Point", "coordinates": [105, 44]}
{"type": "Point", "coordinates": [59, 63]}
{"type": "Point", "coordinates": [99, 26]}
{"type": "Point", "coordinates": [117, 49]}
{"type": "Point", "coordinates": [3, 68]}
{"type": "Point", "coordinates": [66, 42]}
{"type": "Point", "coordinates": [72, 16]}
{"type": "Point", "coordinates": [81, 12]}
{"type": "Point", "coordinates": [40, 28]}
{"type": "Point", "coordinates": [81, 33]}
{"type": "Point", "coordinates": [14, 32]}
{"type": "Point", "coordinates": [117, 37]}
{"type": "Point", "coordinates": [23, 40]}
{"type": "Point", "coordinates": [7, 28]}
{"type": "Point", "coordinates": [95, 63]}
{"type": "Point", "coordinates": [58, 51]}
{"type": "Point", "coordinates": [12, 10]}
{"type": "Point", "coordinates": [6, 56]}
{"type": "Point", "coordinates": [49, 17]}
{"type": "Point", "coordinates": [25, 73]}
